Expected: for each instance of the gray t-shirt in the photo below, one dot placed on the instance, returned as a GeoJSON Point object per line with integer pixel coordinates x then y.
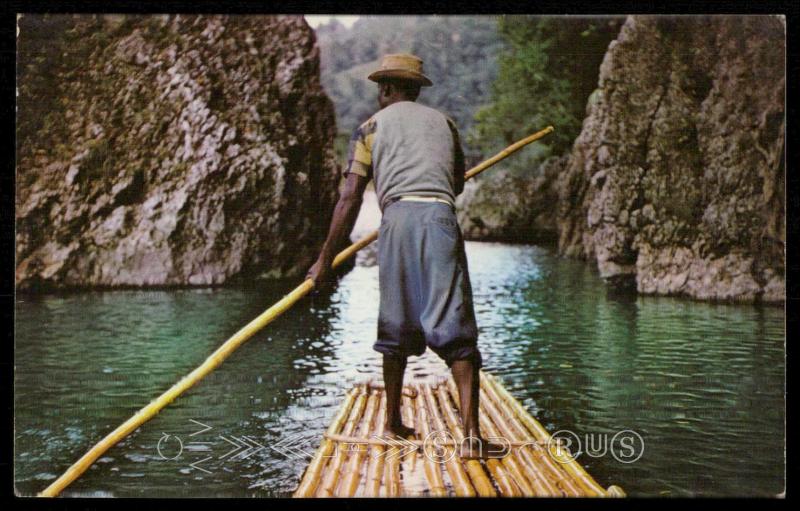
{"type": "Point", "coordinates": [409, 149]}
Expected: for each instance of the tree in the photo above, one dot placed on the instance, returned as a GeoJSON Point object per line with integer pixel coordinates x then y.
{"type": "Point", "coordinates": [545, 75]}
{"type": "Point", "coordinates": [459, 54]}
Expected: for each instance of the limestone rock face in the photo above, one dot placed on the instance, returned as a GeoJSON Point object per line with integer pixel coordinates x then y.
{"type": "Point", "coordinates": [169, 150]}
{"type": "Point", "coordinates": [676, 182]}
{"type": "Point", "coordinates": [511, 208]}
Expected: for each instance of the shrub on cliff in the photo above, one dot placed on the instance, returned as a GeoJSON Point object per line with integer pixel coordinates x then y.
{"type": "Point", "coordinates": [545, 74]}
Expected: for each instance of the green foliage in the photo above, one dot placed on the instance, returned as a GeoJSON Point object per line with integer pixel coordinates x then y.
{"type": "Point", "coordinates": [546, 74]}
{"type": "Point", "coordinates": [459, 55]}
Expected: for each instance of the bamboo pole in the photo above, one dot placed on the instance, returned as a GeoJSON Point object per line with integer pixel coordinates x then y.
{"type": "Point", "coordinates": [348, 439]}
{"type": "Point", "coordinates": [508, 151]}
{"type": "Point", "coordinates": [407, 411]}
{"type": "Point", "coordinates": [510, 462]}
{"type": "Point", "coordinates": [540, 483]}
{"type": "Point", "coordinates": [569, 465]}
{"type": "Point", "coordinates": [536, 457]}
{"type": "Point", "coordinates": [533, 454]}
{"type": "Point", "coordinates": [331, 477]}
{"type": "Point", "coordinates": [393, 487]}
{"type": "Point", "coordinates": [310, 480]}
{"type": "Point", "coordinates": [500, 473]}
{"type": "Point", "coordinates": [505, 471]}
{"type": "Point", "coordinates": [374, 480]}
{"type": "Point", "coordinates": [352, 473]}
{"type": "Point", "coordinates": [406, 391]}
{"type": "Point", "coordinates": [615, 491]}
{"type": "Point", "coordinates": [528, 480]}
{"type": "Point", "coordinates": [391, 479]}
{"type": "Point", "coordinates": [461, 482]}
{"type": "Point", "coordinates": [233, 343]}
{"type": "Point", "coordinates": [476, 473]}
{"type": "Point", "coordinates": [433, 471]}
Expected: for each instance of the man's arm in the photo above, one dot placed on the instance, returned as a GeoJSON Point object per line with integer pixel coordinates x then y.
{"type": "Point", "coordinates": [344, 217]}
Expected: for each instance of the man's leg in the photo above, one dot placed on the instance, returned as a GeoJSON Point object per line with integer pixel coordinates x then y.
{"type": "Point", "coordinates": [394, 367]}
{"type": "Point", "coordinates": [465, 374]}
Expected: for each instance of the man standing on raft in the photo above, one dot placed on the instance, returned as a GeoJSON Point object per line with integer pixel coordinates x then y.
{"type": "Point", "coordinates": [414, 155]}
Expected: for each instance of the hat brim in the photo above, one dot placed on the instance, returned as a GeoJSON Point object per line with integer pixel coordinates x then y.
{"type": "Point", "coordinates": [403, 74]}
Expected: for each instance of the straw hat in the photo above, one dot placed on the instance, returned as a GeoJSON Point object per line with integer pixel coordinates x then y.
{"type": "Point", "coordinates": [401, 65]}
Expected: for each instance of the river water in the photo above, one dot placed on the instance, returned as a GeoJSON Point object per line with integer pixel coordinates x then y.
{"type": "Point", "coordinates": [703, 384]}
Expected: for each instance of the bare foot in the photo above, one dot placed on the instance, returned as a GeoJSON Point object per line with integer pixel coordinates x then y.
{"type": "Point", "coordinates": [398, 430]}
{"type": "Point", "coordinates": [474, 448]}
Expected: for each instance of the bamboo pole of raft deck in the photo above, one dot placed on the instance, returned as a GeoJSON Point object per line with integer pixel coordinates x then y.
{"type": "Point", "coordinates": [407, 410]}
{"type": "Point", "coordinates": [528, 481]}
{"type": "Point", "coordinates": [433, 471]}
{"type": "Point", "coordinates": [540, 483]}
{"type": "Point", "coordinates": [501, 474]}
{"type": "Point", "coordinates": [392, 467]}
{"type": "Point", "coordinates": [534, 455]}
{"type": "Point", "coordinates": [552, 476]}
{"type": "Point", "coordinates": [391, 478]}
{"type": "Point", "coordinates": [239, 338]}
{"type": "Point", "coordinates": [372, 486]}
{"type": "Point", "coordinates": [328, 485]}
{"type": "Point", "coordinates": [505, 483]}
{"type": "Point", "coordinates": [311, 477]}
{"type": "Point", "coordinates": [413, 441]}
{"type": "Point", "coordinates": [481, 483]}
{"type": "Point", "coordinates": [406, 391]}
{"type": "Point", "coordinates": [571, 466]}
{"type": "Point", "coordinates": [458, 476]}
{"type": "Point", "coordinates": [566, 463]}
{"type": "Point", "coordinates": [352, 472]}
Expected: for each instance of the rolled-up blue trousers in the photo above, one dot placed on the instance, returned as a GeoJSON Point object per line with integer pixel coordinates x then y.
{"type": "Point", "coordinates": [425, 291]}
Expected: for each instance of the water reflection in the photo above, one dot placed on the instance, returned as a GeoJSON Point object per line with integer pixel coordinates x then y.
{"type": "Point", "coordinates": [702, 383]}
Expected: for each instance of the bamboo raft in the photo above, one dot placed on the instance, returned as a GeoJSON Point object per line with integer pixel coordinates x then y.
{"type": "Point", "coordinates": [354, 459]}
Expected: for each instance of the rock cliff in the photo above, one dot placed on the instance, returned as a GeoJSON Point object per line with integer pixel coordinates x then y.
{"type": "Point", "coordinates": [675, 185]}
{"type": "Point", "coordinates": [676, 182]}
{"type": "Point", "coordinates": [512, 208]}
{"type": "Point", "coordinates": [169, 150]}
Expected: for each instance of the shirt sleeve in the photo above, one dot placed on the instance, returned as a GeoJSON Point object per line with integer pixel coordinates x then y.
{"type": "Point", "coordinates": [359, 158]}
{"type": "Point", "coordinates": [459, 166]}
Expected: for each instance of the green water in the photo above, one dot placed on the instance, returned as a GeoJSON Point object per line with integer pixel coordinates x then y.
{"type": "Point", "coordinates": [702, 384]}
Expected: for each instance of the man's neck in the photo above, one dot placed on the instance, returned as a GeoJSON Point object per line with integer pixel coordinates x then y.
{"type": "Point", "coordinates": [393, 101]}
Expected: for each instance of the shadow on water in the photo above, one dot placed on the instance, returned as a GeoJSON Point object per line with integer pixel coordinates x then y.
{"type": "Point", "coordinates": [703, 384]}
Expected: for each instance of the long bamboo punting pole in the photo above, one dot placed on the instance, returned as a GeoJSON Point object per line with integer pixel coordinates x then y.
{"type": "Point", "coordinates": [312, 476]}
{"type": "Point", "coordinates": [433, 470]}
{"type": "Point", "coordinates": [482, 484]}
{"type": "Point", "coordinates": [233, 343]}
{"type": "Point", "coordinates": [569, 465]}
